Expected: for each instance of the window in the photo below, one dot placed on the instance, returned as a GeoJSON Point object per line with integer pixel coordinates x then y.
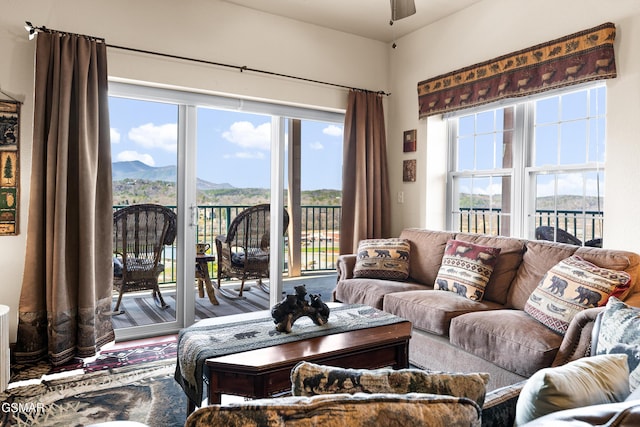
{"type": "Point", "coordinates": [531, 165]}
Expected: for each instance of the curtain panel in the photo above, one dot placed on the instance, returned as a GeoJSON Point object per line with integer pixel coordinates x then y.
{"type": "Point", "coordinates": [366, 204]}
{"type": "Point", "coordinates": [573, 59]}
{"type": "Point", "coordinates": [65, 301]}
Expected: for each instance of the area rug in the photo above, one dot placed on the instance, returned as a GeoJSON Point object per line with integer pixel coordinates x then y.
{"type": "Point", "coordinates": [146, 393]}
{"type": "Point", "coordinates": [108, 359]}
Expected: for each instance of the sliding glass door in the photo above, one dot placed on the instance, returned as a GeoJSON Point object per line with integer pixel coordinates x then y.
{"type": "Point", "coordinates": [207, 157]}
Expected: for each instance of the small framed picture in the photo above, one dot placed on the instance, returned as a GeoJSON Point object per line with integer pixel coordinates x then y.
{"type": "Point", "coordinates": [409, 170]}
{"type": "Point", "coordinates": [409, 141]}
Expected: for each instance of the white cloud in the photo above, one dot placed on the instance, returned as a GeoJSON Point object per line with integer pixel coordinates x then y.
{"type": "Point", "coordinates": [246, 135]}
{"type": "Point", "coordinates": [115, 136]}
{"type": "Point", "coordinates": [129, 156]}
{"type": "Point", "coordinates": [152, 136]}
{"type": "Point", "coordinates": [316, 146]}
{"type": "Point", "coordinates": [333, 130]}
{"type": "Point", "coordinates": [245, 155]}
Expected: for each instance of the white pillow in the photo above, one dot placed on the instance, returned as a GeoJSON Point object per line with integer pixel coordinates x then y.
{"type": "Point", "coordinates": [583, 382]}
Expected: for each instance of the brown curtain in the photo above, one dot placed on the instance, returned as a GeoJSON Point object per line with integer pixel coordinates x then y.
{"type": "Point", "coordinates": [65, 302]}
{"type": "Point", "coordinates": [365, 183]}
{"type": "Point", "coordinates": [570, 60]}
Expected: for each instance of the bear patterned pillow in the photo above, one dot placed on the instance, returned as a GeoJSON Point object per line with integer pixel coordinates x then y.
{"type": "Point", "coordinates": [569, 287]}
{"type": "Point", "coordinates": [382, 259]}
{"type": "Point", "coordinates": [466, 268]}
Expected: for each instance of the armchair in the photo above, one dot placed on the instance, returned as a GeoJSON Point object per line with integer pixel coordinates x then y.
{"type": "Point", "coordinates": [243, 252]}
{"type": "Point", "coordinates": [140, 233]}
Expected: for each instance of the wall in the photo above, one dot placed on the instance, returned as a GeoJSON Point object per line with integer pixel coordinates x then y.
{"type": "Point", "coordinates": [205, 29]}
{"type": "Point", "coordinates": [489, 29]}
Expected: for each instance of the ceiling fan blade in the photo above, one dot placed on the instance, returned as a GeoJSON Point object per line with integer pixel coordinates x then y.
{"type": "Point", "coordinates": [402, 8]}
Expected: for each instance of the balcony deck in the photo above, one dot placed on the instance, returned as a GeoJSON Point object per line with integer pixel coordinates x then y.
{"type": "Point", "coordinates": [140, 308]}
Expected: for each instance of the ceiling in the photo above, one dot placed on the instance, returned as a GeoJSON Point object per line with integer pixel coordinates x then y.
{"type": "Point", "coordinates": [366, 18]}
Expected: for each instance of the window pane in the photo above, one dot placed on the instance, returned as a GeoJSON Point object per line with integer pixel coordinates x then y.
{"type": "Point", "coordinates": [547, 110]}
{"type": "Point", "coordinates": [485, 152]}
{"type": "Point", "coordinates": [144, 150]}
{"type": "Point", "coordinates": [485, 122]}
{"type": "Point", "coordinates": [546, 145]}
{"type": "Point", "coordinates": [574, 105]}
{"type": "Point", "coordinates": [465, 154]}
{"type": "Point", "coordinates": [466, 125]}
{"type": "Point", "coordinates": [573, 146]}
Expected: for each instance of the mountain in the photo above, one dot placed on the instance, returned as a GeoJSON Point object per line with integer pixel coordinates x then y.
{"type": "Point", "coordinates": [137, 170]}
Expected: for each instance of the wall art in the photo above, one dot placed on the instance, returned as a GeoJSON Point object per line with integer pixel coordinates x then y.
{"type": "Point", "coordinates": [9, 166]}
{"type": "Point", "coordinates": [409, 170]}
{"type": "Point", "coordinates": [409, 141]}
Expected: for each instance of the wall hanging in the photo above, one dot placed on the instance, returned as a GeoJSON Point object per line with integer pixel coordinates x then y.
{"type": "Point", "coordinates": [9, 167]}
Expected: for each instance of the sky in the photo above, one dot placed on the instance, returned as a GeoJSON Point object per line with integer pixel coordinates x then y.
{"type": "Point", "coordinates": [232, 147]}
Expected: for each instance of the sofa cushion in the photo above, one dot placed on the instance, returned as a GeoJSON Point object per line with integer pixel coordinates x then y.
{"type": "Point", "coordinates": [309, 379]}
{"type": "Point", "coordinates": [427, 249]}
{"type": "Point", "coordinates": [432, 311]}
{"type": "Point", "coordinates": [538, 258]}
{"type": "Point", "coordinates": [615, 260]}
{"type": "Point", "coordinates": [569, 287]}
{"type": "Point", "coordinates": [382, 259]}
{"type": "Point", "coordinates": [583, 382]}
{"type": "Point", "coordinates": [408, 410]}
{"type": "Point", "coordinates": [510, 339]}
{"type": "Point", "coordinates": [371, 291]}
{"type": "Point", "coordinates": [619, 332]}
{"type": "Point", "coordinates": [466, 268]}
{"type": "Point", "coordinates": [506, 267]}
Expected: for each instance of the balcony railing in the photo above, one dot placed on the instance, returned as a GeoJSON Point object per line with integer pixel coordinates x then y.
{"type": "Point", "coordinates": [585, 225]}
{"type": "Point", "coordinates": [320, 236]}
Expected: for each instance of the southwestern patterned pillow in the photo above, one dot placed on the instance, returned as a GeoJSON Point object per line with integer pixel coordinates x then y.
{"type": "Point", "coordinates": [466, 269]}
{"type": "Point", "coordinates": [569, 287]}
{"type": "Point", "coordinates": [620, 333]}
{"type": "Point", "coordinates": [309, 379]}
{"type": "Point", "coordinates": [383, 259]}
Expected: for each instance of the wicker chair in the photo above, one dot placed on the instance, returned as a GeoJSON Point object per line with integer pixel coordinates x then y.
{"type": "Point", "coordinates": [243, 253]}
{"type": "Point", "coordinates": [140, 233]}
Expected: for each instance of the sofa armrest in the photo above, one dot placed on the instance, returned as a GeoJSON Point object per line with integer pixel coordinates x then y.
{"type": "Point", "coordinates": [577, 340]}
{"type": "Point", "coordinates": [499, 407]}
{"type": "Point", "coordinates": [345, 266]}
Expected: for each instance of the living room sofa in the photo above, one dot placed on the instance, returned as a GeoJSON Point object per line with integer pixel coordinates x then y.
{"type": "Point", "coordinates": [496, 333]}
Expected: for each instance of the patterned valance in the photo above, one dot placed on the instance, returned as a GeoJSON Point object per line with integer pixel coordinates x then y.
{"type": "Point", "coordinates": [587, 55]}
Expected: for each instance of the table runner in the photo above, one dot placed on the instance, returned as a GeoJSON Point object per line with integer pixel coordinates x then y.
{"type": "Point", "coordinates": [199, 343]}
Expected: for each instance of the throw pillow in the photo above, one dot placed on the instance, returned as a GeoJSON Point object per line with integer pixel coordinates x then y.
{"type": "Point", "coordinates": [382, 259]}
{"type": "Point", "coordinates": [568, 288]}
{"type": "Point", "coordinates": [620, 333]}
{"type": "Point", "coordinates": [466, 268]}
{"type": "Point", "coordinates": [407, 410]}
{"type": "Point", "coordinates": [583, 382]}
{"type": "Point", "coordinates": [309, 379]}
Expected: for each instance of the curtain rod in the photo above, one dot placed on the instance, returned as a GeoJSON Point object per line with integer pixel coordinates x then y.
{"type": "Point", "coordinates": [33, 30]}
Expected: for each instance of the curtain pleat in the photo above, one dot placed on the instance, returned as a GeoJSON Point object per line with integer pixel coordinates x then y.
{"type": "Point", "coordinates": [365, 183]}
{"type": "Point", "coordinates": [65, 302]}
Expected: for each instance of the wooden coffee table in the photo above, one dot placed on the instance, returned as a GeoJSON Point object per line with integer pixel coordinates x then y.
{"type": "Point", "coordinates": [266, 372]}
